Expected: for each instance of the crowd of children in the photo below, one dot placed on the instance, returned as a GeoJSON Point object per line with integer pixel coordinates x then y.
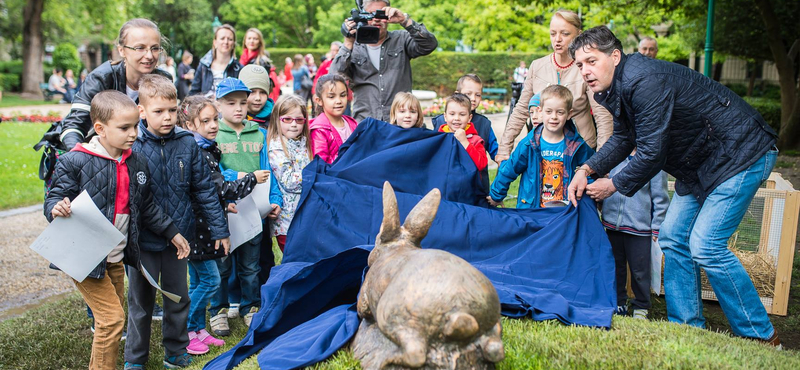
{"type": "Point", "coordinates": [163, 173]}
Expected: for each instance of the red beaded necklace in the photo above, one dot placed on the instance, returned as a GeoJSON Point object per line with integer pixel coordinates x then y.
{"type": "Point", "coordinates": [560, 66]}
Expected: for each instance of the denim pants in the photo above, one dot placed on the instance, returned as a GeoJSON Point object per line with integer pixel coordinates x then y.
{"type": "Point", "coordinates": [247, 256]}
{"type": "Point", "coordinates": [204, 281]}
{"type": "Point", "coordinates": [696, 235]}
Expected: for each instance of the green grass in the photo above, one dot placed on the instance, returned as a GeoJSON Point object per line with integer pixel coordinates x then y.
{"type": "Point", "coordinates": [19, 164]}
{"type": "Point", "coordinates": [783, 164]}
{"type": "Point", "coordinates": [513, 190]}
{"type": "Point", "coordinates": [13, 100]}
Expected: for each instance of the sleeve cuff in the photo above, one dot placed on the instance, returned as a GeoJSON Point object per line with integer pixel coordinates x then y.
{"type": "Point", "coordinates": [171, 231]}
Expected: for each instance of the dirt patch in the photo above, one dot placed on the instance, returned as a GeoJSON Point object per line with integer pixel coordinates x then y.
{"type": "Point", "coordinates": [26, 276]}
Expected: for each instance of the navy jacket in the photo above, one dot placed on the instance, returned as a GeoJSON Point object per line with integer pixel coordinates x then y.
{"type": "Point", "coordinates": [204, 78]}
{"type": "Point", "coordinates": [681, 122]}
{"type": "Point", "coordinates": [180, 176]}
{"type": "Point", "coordinates": [77, 171]}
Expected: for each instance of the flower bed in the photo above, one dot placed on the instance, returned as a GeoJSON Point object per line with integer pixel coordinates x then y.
{"type": "Point", "coordinates": [486, 107]}
{"type": "Point", "coordinates": [35, 118]}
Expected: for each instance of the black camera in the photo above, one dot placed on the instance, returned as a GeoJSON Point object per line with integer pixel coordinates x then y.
{"type": "Point", "coordinates": [365, 34]}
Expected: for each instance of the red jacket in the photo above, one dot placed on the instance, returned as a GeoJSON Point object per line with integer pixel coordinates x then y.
{"type": "Point", "coordinates": [475, 149]}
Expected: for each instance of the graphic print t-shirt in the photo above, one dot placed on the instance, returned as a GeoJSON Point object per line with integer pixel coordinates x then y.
{"type": "Point", "coordinates": [552, 171]}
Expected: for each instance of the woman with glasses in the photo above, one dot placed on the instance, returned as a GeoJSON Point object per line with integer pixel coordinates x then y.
{"type": "Point", "coordinates": [139, 45]}
{"type": "Point", "coordinates": [559, 68]}
{"type": "Point", "coordinates": [219, 63]}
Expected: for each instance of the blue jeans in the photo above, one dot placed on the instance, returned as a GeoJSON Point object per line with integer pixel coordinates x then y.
{"type": "Point", "coordinates": [696, 235]}
{"type": "Point", "coordinates": [203, 283]}
{"type": "Point", "coordinates": [247, 256]}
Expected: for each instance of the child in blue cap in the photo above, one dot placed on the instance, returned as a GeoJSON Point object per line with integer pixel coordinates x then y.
{"type": "Point", "coordinates": [243, 148]}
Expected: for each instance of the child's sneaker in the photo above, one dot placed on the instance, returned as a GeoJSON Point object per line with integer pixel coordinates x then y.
{"type": "Point", "coordinates": [208, 340]}
{"type": "Point", "coordinates": [196, 346]}
{"type": "Point", "coordinates": [177, 362]}
{"type": "Point", "coordinates": [130, 366]}
{"type": "Point", "coordinates": [234, 311]}
{"type": "Point", "coordinates": [640, 314]}
{"type": "Point", "coordinates": [219, 323]}
{"type": "Point", "coordinates": [621, 311]}
{"type": "Point", "coordinates": [249, 317]}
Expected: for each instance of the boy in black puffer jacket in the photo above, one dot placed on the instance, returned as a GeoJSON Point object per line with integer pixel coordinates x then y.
{"type": "Point", "coordinates": [199, 114]}
{"type": "Point", "coordinates": [118, 181]}
{"type": "Point", "coordinates": [180, 178]}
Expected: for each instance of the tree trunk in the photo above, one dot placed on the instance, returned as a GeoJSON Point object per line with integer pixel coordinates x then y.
{"type": "Point", "coordinates": [751, 83]}
{"type": "Point", "coordinates": [32, 49]}
{"type": "Point", "coordinates": [790, 97]}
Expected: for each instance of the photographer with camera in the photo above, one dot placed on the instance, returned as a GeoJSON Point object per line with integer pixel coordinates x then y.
{"type": "Point", "coordinates": [378, 62]}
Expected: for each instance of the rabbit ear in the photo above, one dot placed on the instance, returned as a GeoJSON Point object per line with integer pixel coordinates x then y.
{"type": "Point", "coordinates": [390, 227]}
{"type": "Point", "coordinates": [420, 218]}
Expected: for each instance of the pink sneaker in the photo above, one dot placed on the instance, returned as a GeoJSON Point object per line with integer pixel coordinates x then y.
{"type": "Point", "coordinates": [196, 346]}
{"type": "Point", "coordinates": [208, 340]}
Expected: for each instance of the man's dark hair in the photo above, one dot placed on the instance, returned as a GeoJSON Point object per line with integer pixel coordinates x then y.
{"type": "Point", "coordinates": [600, 38]}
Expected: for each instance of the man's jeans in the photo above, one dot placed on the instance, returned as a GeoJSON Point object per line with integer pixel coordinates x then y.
{"type": "Point", "coordinates": [204, 281]}
{"type": "Point", "coordinates": [695, 235]}
{"type": "Point", "coordinates": [247, 256]}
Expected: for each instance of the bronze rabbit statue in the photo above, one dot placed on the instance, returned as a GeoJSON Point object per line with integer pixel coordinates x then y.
{"type": "Point", "coordinates": [424, 308]}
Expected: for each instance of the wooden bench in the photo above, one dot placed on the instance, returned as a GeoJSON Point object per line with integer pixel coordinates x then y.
{"type": "Point", "coordinates": [48, 95]}
{"type": "Point", "coordinates": [495, 93]}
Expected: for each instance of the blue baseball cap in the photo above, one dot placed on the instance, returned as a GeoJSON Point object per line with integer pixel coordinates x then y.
{"type": "Point", "coordinates": [230, 85]}
{"type": "Point", "coordinates": [536, 101]}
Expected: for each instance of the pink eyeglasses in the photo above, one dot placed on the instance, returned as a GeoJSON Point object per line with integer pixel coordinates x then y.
{"type": "Point", "coordinates": [287, 119]}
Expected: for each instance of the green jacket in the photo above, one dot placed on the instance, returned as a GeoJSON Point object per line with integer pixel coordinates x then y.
{"type": "Point", "coordinates": [241, 152]}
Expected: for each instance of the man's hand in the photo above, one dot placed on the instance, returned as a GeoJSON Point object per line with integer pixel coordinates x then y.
{"type": "Point", "coordinates": [276, 210]}
{"type": "Point", "coordinates": [261, 176]}
{"type": "Point", "coordinates": [62, 208]}
{"type": "Point", "coordinates": [182, 245]}
{"type": "Point", "coordinates": [396, 16]}
{"type": "Point", "coordinates": [461, 136]}
{"type": "Point", "coordinates": [493, 203]}
{"type": "Point", "coordinates": [576, 187]}
{"type": "Point", "coordinates": [226, 244]}
{"type": "Point", "coordinates": [600, 189]}
{"type": "Point", "coordinates": [349, 32]}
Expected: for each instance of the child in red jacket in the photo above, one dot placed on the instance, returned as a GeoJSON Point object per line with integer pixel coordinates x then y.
{"type": "Point", "coordinates": [458, 117]}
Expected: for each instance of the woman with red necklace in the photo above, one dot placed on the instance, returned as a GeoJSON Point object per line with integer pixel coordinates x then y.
{"type": "Point", "coordinates": [559, 68]}
{"type": "Point", "coordinates": [253, 52]}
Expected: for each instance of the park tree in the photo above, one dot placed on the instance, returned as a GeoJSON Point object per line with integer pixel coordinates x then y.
{"type": "Point", "coordinates": [292, 22]}
{"type": "Point", "coordinates": [32, 49]}
{"type": "Point", "coordinates": [186, 24]}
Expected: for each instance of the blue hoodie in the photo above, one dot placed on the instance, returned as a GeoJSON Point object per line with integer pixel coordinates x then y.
{"type": "Point", "coordinates": [526, 160]}
{"type": "Point", "coordinates": [178, 175]}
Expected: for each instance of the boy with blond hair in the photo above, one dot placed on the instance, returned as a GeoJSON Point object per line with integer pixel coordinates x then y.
{"type": "Point", "coordinates": [180, 177]}
{"type": "Point", "coordinates": [118, 181]}
{"type": "Point", "coordinates": [546, 158]}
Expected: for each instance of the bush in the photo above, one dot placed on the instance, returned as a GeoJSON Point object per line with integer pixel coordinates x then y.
{"type": "Point", "coordinates": [760, 90]}
{"type": "Point", "coordinates": [440, 70]}
{"type": "Point", "coordinates": [65, 56]}
{"type": "Point", "coordinates": [11, 75]}
{"type": "Point", "coordinates": [770, 109]}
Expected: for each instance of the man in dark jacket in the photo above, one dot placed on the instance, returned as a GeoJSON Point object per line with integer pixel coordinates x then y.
{"type": "Point", "coordinates": [718, 148]}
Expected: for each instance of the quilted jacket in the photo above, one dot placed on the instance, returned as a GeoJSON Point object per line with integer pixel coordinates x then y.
{"type": "Point", "coordinates": [681, 122]}
{"type": "Point", "coordinates": [77, 171]}
{"type": "Point", "coordinates": [180, 176]}
{"type": "Point", "coordinates": [203, 244]}
{"type": "Point", "coordinates": [108, 76]}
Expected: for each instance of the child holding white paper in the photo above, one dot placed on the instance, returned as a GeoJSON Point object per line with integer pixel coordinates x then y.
{"type": "Point", "coordinates": [243, 148]}
{"type": "Point", "coordinates": [199, 114]}
{"type": "Point", "coordinates": [289, 152]}
{"type": "Point", "coordinates": [180, 178]}
{"type": "Point", "coordinates": [118, 181]}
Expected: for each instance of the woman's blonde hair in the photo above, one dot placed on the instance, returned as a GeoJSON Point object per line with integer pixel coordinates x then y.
{"type": "Point", "coordinates": [233, 31]}
{"type": "Point", "coordinates": [409, 101]}
{"type": "Point", "coordinates": [299, 61]}
{"type": "Point", "coordinates": [284, 105]}
{"type": "Point", "coordinates": [261, 52]}
{"type": "Point", "coordinates": [571, 17]}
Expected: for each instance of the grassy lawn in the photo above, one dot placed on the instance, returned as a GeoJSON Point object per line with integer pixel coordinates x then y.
{"type": "Point", "coordinates": [13, 100]}
{"type": "Point", "coordinates": [19, 164]}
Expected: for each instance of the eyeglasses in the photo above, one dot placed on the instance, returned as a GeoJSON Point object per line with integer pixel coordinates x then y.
{"type": "Point", "coordinates": [155, 50]}
{"type": "Point", "coordinates": [299, 120]}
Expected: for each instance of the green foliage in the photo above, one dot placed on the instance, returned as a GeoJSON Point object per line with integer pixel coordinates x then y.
{"type": "Point", "coordinates": [10, 75]}
{"type": "Point", "coordinates": [186, 24]}
{"type": "Point", "coordinates": [65, 56]}
{"type": "Point", "coordinates": [293, 22]}
{"type": "Point", "coordinates": [770, 109]}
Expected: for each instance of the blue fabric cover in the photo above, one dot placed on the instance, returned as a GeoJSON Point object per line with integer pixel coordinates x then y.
{"type": "Point", "coordinates": [550, 263]}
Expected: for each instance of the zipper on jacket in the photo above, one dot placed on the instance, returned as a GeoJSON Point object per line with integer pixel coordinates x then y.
{"type": "Point", "coordinates": [180, 164]}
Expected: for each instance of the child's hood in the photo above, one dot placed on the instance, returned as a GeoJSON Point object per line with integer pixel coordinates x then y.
{"type": "Point", "coordinates": [249, 127]}
{"type": "Point", "coordinates": [574, 139]}
{"type": "Point", "coordinates": [209, 58]}
{"type": "Point", "coordinates": [93, 147]}
{"type": "Point", "coordinates": [266, 110]}
{"type": "Point", "coordinates": [145, 135]}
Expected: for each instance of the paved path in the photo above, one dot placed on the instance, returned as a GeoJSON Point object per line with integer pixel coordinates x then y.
{"type": "Point", "coordinates": [61, 109]}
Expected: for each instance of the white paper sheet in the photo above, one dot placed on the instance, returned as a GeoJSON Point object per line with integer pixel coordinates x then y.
{"type": "Point", "coordinates": [172, 296]}
{"type": "Point", "coordinates": [260, 195]}
{"type": "Point", "coordinates": [245, 224]}
{"type": "Point", "coordinates": [655, 266]}
{"type": "Point", "coordinates": [77, 244]}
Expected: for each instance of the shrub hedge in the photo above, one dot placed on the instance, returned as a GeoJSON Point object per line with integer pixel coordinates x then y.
{"type": "Point", "coordinates": [440, 70]}
{"type": "Point", "coordinates": [11, 75]}
{"type": "Point", "coordinates": [770, 109]}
